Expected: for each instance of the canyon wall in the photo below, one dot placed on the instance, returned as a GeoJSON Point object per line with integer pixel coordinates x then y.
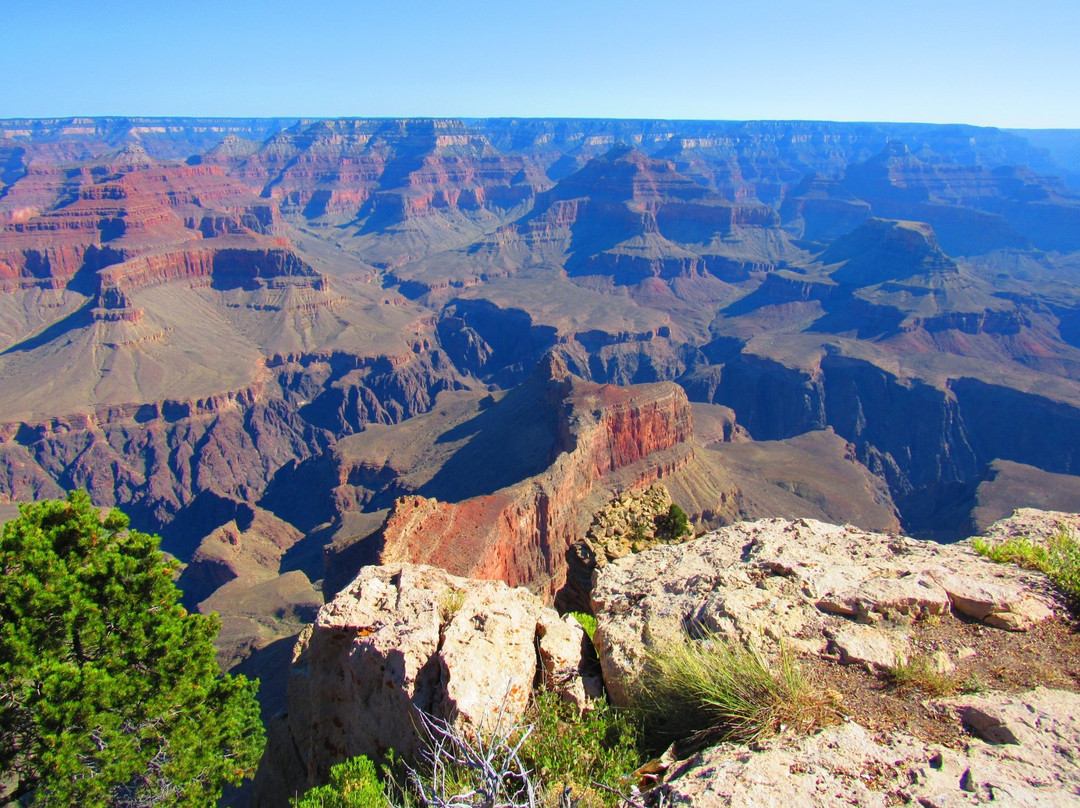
{"type": "Point", "coordinates": [608, 439]}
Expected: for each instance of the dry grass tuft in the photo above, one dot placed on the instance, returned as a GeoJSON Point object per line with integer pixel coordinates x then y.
{"type": "Point", "coordinates": [450, 603]}
{"type": "Point", "coordinates": [920, 674]}
{"type": "Point", "coordinates": [718, 689]}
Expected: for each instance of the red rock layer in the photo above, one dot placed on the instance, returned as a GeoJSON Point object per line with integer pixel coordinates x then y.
{"type": "Point", "coordinates": [198, 261]}
{"type": "Point", "coordinates": [58, 220]}
{"type": "Point", "coordinates": [613, 438]}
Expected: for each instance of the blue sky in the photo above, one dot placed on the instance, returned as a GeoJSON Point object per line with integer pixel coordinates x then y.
{"type": "Point", "coordinates": [972, 61]}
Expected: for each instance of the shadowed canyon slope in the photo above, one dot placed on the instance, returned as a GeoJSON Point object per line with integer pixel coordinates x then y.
{"type": "Point", "coordinates": [297, 346]}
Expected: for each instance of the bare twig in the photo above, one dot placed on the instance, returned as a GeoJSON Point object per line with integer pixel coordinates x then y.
{"type": "Point", "coordinates": [489, 758]}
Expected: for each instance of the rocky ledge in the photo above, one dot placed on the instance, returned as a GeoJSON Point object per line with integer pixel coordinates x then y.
{"type": "Point", "coordinates": [852, 605]}
{"type": "Point", "coordinates": [819, 589]}
{"type": "Point", "coordinates": [1021, 752]}
{"type": "Point", "coordinates": [847, 604]}
{"type": "Point", "coordinates": [403, 639]}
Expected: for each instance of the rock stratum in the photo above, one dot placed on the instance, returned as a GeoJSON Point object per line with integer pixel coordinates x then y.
{"type": "Point", "coordinates": [298, 347]}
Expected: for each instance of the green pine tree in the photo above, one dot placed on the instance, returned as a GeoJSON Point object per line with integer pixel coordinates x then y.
{"type": "Point", "coordinates": [673, 525]}
{"type": "Point", "coordinates": [109, 690]}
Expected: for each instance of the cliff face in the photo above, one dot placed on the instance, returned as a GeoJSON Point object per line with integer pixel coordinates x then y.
{"type": "Point", "coordinates": [146, 220]}
{"type": "Point", "coordinates": [160, 460]}
{"type": "Point", "coordinates": [196, 318]}
{"type": "Point", "coordinates": [394, 172]}
{"type": "Point", "coordinates": [226, 266]}
{"type": "Point", "coordinates": [607, 438]}
{"type": "Point", "coordinates": [928, 441]}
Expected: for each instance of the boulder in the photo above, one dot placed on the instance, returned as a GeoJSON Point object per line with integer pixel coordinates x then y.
{"type": "Point", "coordinates": [996, 604]}
{"type": "Point", "coordinates": [857, 644]}
{"type": "Point", "coordinates": [403, 639]}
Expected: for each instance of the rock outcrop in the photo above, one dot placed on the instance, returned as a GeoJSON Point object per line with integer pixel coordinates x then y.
{"type": "Point", "coordinates": [817, 588]}
{"type": "Point", "coordinates": [636, 520]}
{"type": "Point", "coordinates": [1022, 753]}
{"type": "Point", "coordinates": [404, 639]}
{"type": "Point", "coordinates": [608, 438]}
{"type": "Point", "coordinates": [1032, 524]}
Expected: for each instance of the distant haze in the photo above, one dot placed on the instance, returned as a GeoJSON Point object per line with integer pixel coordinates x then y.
{"type": "Point", "coordinates": [984, 62]}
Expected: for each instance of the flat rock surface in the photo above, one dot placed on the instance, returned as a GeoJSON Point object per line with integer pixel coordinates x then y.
{"type": "Point", "coordinates": [1023, 753]}
{"type": "Point", "coordinates": [853, 606]}
{"type": "Point", "coordinates": [816, 587]}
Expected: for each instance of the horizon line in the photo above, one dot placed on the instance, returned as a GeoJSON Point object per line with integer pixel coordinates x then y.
{"type": "Point", "coordinates": [472, 118]}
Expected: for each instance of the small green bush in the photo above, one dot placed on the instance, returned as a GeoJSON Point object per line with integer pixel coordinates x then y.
{"type": "Point", "coordinates": [353, 784]}
{"type": "Point", "coordinates": [586, 621]}
{"type": "Point", "coordinates": [571, 751]}
{"type": "Point", "coordinates": [1058, 557]}
{"type": "Point", "coordinates": [673, 525]}
{"type": "Point", "coordinates": [718, 689]}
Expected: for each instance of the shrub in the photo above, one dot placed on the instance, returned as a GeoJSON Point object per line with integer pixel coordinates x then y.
{"type": "Point", "coordinates": [717, 689]}
{"type": "Point", "coordinates": [571, 751]}
{"type": "Point", "coordinates": [1058, 556]}
{"type": "Point", "coordinates": [673, 525]}
{"type": "Point", "coordinates": [586, 621]}
{"type": "Point", "coordinates": [110, 694]}
{"type": "Point", "coordinates": [640, 535]}
{"type": "Point", "coordinates": [353, 784]}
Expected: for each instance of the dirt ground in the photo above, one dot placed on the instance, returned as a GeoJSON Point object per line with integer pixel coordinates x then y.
{"type": "Point", "coordinates": [987, 659]}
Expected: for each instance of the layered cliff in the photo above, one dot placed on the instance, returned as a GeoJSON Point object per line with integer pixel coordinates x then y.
{"type": "Point", "coordinates": [605, 438]}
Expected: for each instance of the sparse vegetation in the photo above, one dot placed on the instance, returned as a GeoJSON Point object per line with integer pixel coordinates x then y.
{"type": "Point", "coordinates": [559, 756]}
{"type": "Point", "coordinates": [450, 603]}
{"type": "Point", "coordinates": [919, 673]}
{"type": "Point", "coordinates": [353, 784]}
{"type": "Point", "coordinates": [673, 525]}
{"type": "Point", "coordinates": [719, 689]}
{"type": "Point", "coordinates": [572, 751]}
{"type": "Point", "coordinates": [1058, 556]}
{"type": "Point", "coordinates": [480, 769]}
{"type": "Point", "coordinates": [640, 535]}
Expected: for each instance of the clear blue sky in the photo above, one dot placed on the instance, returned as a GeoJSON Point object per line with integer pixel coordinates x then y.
{"type": "Point", "coordinates": [993, 62]}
